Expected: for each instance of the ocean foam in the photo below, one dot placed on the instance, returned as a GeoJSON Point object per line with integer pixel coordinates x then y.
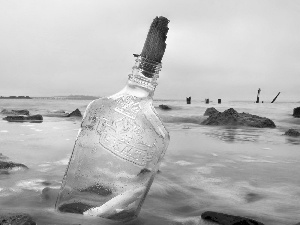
{"type": "Point", "coordinates": [4, 131]}
{"type": "Point", "coordinates": [35, 185]}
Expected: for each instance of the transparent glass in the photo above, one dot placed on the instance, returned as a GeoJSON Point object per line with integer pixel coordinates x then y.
{"type": "Point", "coordinates": [117, 152]}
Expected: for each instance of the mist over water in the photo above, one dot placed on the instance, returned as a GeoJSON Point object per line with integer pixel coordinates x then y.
{"type": "Point", "coordinates": [242, 171]}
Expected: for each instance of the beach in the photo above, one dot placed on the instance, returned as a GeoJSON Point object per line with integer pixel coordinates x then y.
{"type": "Point", "coordinates": [243, 171]}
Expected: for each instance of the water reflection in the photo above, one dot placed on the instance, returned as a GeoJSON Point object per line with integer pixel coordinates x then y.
{"type": "Point", "coordinates": [293, 140]}
{"type": "Point", "coordinates": [233, 134]}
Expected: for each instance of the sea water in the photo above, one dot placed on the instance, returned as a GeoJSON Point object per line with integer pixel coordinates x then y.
{"type": "Point", "coordinates": [252, 172]}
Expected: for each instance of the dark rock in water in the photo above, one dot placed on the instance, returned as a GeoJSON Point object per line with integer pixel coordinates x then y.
{"type": "Point", "coordinates": [292, 133]}
{"type": "Point", "coordinates": [32, 118]}
{"type": "Point", "coordinates": [144, 171]}
{"type": "Point", "coordinates": [210, 111]}
{"type": "Point", "coordinates": [9, 165]}
{"type": "Point", "coordinates": [123, 215]}
{"type": "Point", "coordinates": [49, 193]}
{"type": "Point", "coordinates": [75, 207]}
{"type": "Point", "coordinates": [15, 112]}
{"type": "Point", "coordinates": [253, 197]}
{"type": "Point", "coordinates": [75, 113]}
{"type": "Point", "coordinates": [98, 189]}
{"type": "Point", "coordinates": [225, 219]}
{"type": "Point", "coordinates": [164, 107]}
{"type": "Point", "coordinates": [46, 183]}
{"type": "Point", "coordinates": [233, 118]}
{"type": "Point", "coordinates": [16, 219]}
{"type": "Point", "coordinates": [296, 112]}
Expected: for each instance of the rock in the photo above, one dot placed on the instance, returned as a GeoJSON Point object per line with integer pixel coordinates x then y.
{"type": "Point", "coordinates": [296, 112]}
{"type": "Point", "coordinates": [292, 133]}
{"type": "Point", "coordinates": [16, 219]}
{"type": "Point", "coordinates": [49, 194]}
{"type": "Point", "coordinates": [9, 165]}
{"type": "Point", "coordinates": [253, 197]}
{"type": "Point", "coordinates": [24, 118]}
{"type": "Point", "coordinates": [75, 113]}
{"type": "Point", "coordinates": [164, 107]}
{"type": "Point", "coordinates": [233, 118]}
{"type": "Point", "coordinates": [75, 207]}
{"type": "Point", "coordinates": [15, 112]}
{"type": "Point", "coordinates": [225, 219]}
{"type": "Point", "coordinates": [210, 111]}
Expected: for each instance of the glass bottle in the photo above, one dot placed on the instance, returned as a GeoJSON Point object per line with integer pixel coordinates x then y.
{"type": "Point", "coordinates": [118, 150]}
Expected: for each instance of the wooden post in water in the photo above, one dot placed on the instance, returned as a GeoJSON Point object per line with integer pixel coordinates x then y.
{"type": "Point", "coordinates": [275, 97]}
{"type": "Point", "coordinates": [207, 100]}
{"type": "Point", "coordinates": [188, 100]}
{"type": "Point", "coordinates": [219, 101]}
{"type": "Point", "coordinates": [257, 98]}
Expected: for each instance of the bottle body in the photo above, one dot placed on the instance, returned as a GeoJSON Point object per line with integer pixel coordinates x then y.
{"type": "Point", "coordinates": [115, 157]}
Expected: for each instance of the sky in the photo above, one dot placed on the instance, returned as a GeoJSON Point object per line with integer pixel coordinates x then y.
{"type": "Point", "coordinates": [215, 49]}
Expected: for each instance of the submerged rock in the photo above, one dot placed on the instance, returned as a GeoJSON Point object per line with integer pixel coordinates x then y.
{"type": "Point", "coordinates": [15, 112]}
{"type": "Point", "coordinates": [75, 113]}
{"type": "Point", "coordinates": [164, 107]}
{"type": "Point", "coordinates": [24, 118]}
{"type": "Point", "coordinates": [210, 111]}
{"type": "Point", "coordinates": [232, 117]}
{"type": "Point", "coordinates": [292, 133]}
{"type": "Point", "coordinates": [253, 197]}
{"type": "Point", "coordinates": [296, 112]}
{"type": "Point", "coordinates": [9, 165]}
{"type": "Point", "coordinates": [49, 194]}
{"type": "Point", "coordinates": [225, 219]}
{"type": "Point", "coordinates": [75, 207]}
{"type": "Point", "coordinates": [16, 219]}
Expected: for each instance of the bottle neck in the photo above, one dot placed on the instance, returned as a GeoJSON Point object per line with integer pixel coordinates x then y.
{"type": "Point", "coordinates": [143, 79]}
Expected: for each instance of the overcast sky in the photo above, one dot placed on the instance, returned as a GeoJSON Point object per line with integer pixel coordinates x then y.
{"type": "Point", "coordinates": [215, 49]}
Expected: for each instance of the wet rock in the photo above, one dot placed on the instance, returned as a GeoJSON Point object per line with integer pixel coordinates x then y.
{"type": "Point", "coordinates": [49, 193]}
{"type": "Point", "coordinates": [144, 171]}
{"type": "Point", "coordinates": [75, 207]}
{"type": "Point", "coordinates": [164, 107]}
{"type": "Point", "coordinates": [46, 183]}
{"type": "Point", "coordinates": [253, 197]}
{"type": "Point", "coordinates": [210, 111]}
{"type": "Point", "coordinates": [296, 112]}
{"type": "Point", "coordinates": [16, 219]}
{"type": "Point", "coordinates": [33, 118]}
{"type": "Point", "coordinates": [75, 113]}
{"type": "Point", "coordinates": [233, 118]}
{"type": "Point", "coordinates": [15, 112]}
{"type": "Point", "coordinates": [292, 133]}
{"type": "Point", "coordinates": [225, 219]}
{"type": "Point", "coordinates": [10, 165]}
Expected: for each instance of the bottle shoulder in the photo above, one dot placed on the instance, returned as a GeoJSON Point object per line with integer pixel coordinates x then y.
{"type": "Point", "coordinates": [138, 111]}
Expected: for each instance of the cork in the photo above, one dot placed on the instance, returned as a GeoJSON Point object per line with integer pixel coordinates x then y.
{"type": "Point", "coordinates": [155, 44]}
